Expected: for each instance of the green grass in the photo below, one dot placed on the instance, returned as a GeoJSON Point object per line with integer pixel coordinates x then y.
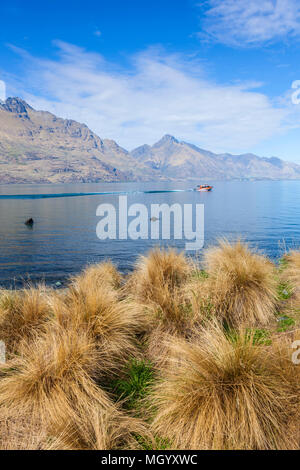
{"type": "Point", "coordinates": [282, 263]}
{"type": "Point", "coordinates": [160, 443]}
{"type": "Point", "coordinates": [284, 290]}
{"type": "Point", "coordinates": [133, 389]}
{"type": "Point", "coordinates": [285, 324]}
{"type": "Point", "coordinates": [258, 336]}
{"type": "Point", "coordinates": [139, 376]}
{"type": "Point", "coordinates": [199, 274]}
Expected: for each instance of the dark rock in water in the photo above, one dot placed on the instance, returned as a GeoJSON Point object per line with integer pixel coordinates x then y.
{"type": "Point", "coordinates": [29, 222]}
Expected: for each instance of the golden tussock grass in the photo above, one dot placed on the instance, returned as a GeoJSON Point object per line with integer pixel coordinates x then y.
{"type": "Point", "coordinates": [227, 393]}
{"type": "Point", "coordinates": [51, 388]}
{"type": "Point", "coordinates": [241, 284]}
{"type": "Point", "coordinates": [113, 324]}
{"type": "Point", "coordinates": [214, 389]}
{"type": "Point", "coordinates": [22, 313]}
{"type": "Point", "coordinates": [93, 428]}
{"type": "Point", "coordinates": [156, 284]}
{"type": "Point", "coordinates": [45, 379]}
{"type": "Point", "coordinates": [198, 296]}
{"type": "Point", "coordinates": [21, 433]}
{"type": "Point", "coordinates": [98, 276]}
{"type": "Point", "coordinates": [157, 276]}
{"type": "Point", "coordinates": [93, 304]}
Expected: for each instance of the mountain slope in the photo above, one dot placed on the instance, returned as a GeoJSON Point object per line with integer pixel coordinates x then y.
{"type": "Point", "coordinates": [36, 146]}
{"type": "Point", "coordinates": [180, 160]}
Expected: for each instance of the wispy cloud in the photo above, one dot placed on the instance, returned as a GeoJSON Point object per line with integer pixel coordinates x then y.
{"type": "Point", "coordinates": [251, 22]}
{"type": "Point", "coordinates": [156, 94]}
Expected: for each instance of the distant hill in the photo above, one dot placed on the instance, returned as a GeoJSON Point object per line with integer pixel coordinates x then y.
{"type": "Point", "coordinates": [175, 159]}
{"type": "Point", "coordinates": [38, 147]}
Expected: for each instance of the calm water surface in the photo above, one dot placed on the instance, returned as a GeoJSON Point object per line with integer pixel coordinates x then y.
{"type": "Point", "coordinates": [63, 238]}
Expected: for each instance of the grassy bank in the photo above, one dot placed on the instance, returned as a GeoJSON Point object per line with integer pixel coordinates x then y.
{"type": "Point", "coordinates": [173, 356]}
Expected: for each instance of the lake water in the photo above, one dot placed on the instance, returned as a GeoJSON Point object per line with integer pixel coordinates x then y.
{"type": "Point", "coordinates": [63, 238]}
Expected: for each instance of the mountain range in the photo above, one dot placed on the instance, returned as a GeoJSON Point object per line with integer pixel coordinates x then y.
{"type": "Point", "coordinates": [39, 147]}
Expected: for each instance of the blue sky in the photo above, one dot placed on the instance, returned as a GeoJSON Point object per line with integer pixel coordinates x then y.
{"type": "Point", "coordinates": [217, 73]}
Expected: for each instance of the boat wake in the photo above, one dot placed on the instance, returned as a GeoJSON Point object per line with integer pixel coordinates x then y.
{"type": "Point", "coordinates": [48, 196]}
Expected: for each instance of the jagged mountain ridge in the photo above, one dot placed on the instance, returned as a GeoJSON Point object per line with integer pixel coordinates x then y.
{"type": "Point", "coordinates": [38, 147]}
{"type": "Point", "coordinates": [183, 160]}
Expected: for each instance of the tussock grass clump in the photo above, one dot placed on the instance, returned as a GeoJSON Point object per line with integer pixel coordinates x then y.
{"type": "Point", "coordinates": [220, 393]}
{"type": "Point", "coordinates": [113, 324]}
{"type": "Point", "coordinates": [93, 428]}
{"type": "Point", "coordinates": [90, 429]}
{"type": "Point", "coordinates": [97, 276]}
{"type": "Point", "coordinates": [157, 283]}
{"type": "Point", "coordinates": [51, 388]}
{"type": "Point", "coordinates": [22, 314]}
{"type": "Point", "coordinates": [93, 304]}
{"type": "Point", "coordinates": [199, 297]}
{"type": "Point", "coordinates": [183, 348]}
{"type": "Point", "coordinates": [20, 433]}
{"type": "Point", "coordinates": [157, 276]}
{"type": "Point", "coordinates": [241, 284]}
{"type": "Point", "coordinates": [51, 375]}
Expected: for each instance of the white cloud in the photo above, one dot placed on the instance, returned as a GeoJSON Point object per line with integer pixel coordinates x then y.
{"type": "Point", "coordinates": [251, 22]}
{"type": "Point", "coordinates": [157, 94]}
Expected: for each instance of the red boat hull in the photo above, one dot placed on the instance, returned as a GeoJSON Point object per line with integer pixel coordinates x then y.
{"type": "Point", "coordinates": [204, 188]}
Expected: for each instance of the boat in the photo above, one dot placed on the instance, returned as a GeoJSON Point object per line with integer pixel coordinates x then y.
{"type": "Point", "coordinates": [203, 187]}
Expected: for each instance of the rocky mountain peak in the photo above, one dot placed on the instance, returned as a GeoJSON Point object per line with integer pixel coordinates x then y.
{"type": "Point", "coordinates": [166, 140]}
{"type": "Point", "coordinates": [39, 147]}
{"type": "Point", "coordinates": [15, 105]}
